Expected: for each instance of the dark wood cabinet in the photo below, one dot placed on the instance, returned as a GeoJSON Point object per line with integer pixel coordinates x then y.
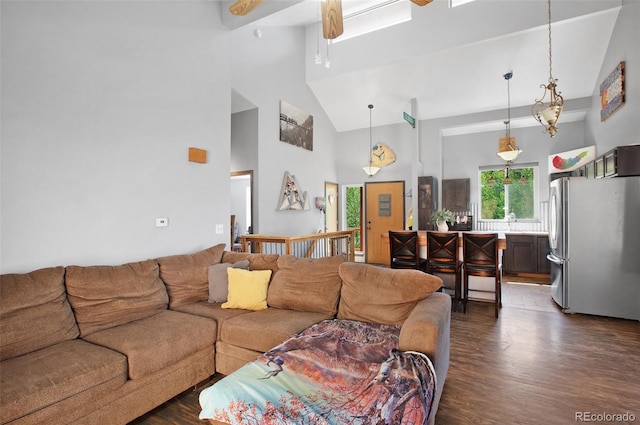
{"type": "Point", "coordinates": [622, 161]}
{"type": "Point", "coordinates": [427, 198]}
{"type": "Point", "coordinates": [544, 266]}
{"type": "Point", "coordinates": [456, 194]}
{"type": "Point", "coordinates": [526, 254]}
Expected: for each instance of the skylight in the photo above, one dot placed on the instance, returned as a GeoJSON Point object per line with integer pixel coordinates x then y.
{"type": "Point", "coordinates": [454, 3]}
{"type": "Point", "coordinates": [374, 16]}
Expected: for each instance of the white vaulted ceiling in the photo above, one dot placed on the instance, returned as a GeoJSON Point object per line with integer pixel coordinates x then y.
{"type": "Point", "coordinates": [452, 60]}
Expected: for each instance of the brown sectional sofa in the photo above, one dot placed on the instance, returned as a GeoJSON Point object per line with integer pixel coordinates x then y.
{"type": "Point", "coordinates": [106, 344]}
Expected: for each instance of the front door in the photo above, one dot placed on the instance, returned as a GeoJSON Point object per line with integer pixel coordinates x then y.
{"type": "Point", "coordinates": [384, 211]}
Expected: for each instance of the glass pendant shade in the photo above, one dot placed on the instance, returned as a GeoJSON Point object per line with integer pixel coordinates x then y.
{"type": "Point", "coordinates": [507, 149]}
{"type": "Point", "coordinates": [547, 114]}
{"type": "Point", "coordinates": [370, 170]}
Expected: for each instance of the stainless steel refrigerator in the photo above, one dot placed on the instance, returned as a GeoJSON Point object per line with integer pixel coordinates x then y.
{"type": "Point", "coordinates": [594, 236]}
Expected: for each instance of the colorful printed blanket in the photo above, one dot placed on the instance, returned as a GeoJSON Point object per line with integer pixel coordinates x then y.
{"type": "Point", "coordinates": [335, 372]}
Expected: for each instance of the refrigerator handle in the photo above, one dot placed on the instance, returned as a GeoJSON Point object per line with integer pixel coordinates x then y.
{"type": "Point", "coordinates": [554, 259]}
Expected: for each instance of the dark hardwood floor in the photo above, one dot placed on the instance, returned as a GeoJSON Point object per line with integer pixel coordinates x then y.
{"type": "Point", "coordinates": [534, 365]}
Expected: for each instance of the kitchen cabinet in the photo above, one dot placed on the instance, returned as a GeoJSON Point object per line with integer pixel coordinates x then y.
{"type": "Point", "coordinates": [526, 253]}
{"type": "Point", "coordinates": [622, 161]}
{"type": "Point", "coordinates": [427, 199]}
{"type": "Point", "coordinates": [456, 194]}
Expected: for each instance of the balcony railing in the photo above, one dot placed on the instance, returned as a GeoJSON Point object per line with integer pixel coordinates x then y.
{"type": "Point", "coordinates": [316, 245]}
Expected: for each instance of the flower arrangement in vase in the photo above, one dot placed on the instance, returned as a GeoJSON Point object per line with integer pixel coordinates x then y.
{"type": "Point", "coordinates": [440, 219]}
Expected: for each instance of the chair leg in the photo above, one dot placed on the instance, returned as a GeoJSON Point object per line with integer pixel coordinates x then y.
{"type": "Point", "coordinates": [458, 291]}
{"type": "Point", "coordinates": [497, 295]}
{"type": "Point", "coordinates": [466, 293]}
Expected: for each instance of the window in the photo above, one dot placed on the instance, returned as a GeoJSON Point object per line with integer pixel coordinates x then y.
{"type": "Point", "coordinates": [353, 210]}
{"type": "Point", "coordinates": [498, 200]}
{"type": "Point", "coordinates": [454, 3]}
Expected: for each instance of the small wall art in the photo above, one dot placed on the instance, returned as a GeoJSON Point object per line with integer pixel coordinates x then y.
{"type": "Point", "coordinates": [382, 155]}
{"type": "Point", "coordinates": [291, 197]}
{"type": "Point", "coordinates": [612, 95]}
{"type": "Point", "coordinates": [296, 126]}
{"type": "Point", "coordinates": [570, 160]}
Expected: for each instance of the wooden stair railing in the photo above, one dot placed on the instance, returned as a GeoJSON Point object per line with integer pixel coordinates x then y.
{"type": "Point", "coordinates": [316, 245]}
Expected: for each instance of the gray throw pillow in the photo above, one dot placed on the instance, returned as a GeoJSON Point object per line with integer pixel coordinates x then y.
{"type": "Point", "coordinates": [219, 281]}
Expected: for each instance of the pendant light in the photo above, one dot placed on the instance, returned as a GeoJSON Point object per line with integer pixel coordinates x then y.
{"type": "Point", "coordinates": [507, 149]}
{"type": "Point", "coordinates": [370, 169]}
{"type": "Point", "coordinates": [547, 114]}
{"type": "Point", "coordinates": [507, 179]}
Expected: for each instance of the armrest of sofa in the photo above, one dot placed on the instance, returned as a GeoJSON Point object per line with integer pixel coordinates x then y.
{"type": "Point", "coordinates": [427, 330]}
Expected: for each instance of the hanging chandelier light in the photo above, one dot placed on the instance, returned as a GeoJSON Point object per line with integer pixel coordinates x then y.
{"type": "Point", "coordinates": [507, 149]}
{"type": "Point", "coordinates": [548, 114]}
{"type": "Point", "coordinates": [507, 179]}
{"type": "Point", "coordinates": [370, 169]}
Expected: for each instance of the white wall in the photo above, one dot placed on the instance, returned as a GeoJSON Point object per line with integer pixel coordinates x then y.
{"type": "Point", "coordinates": [238, 204]}
{"type": "Point", "coordinates": [101, 100]}
{"type": "Point", "coordinates": [623, 127]}
{"type": "Point", "coordinates": [353, 152]}
{"type": "Point", "coordinates": [463, 154]}
{"type": "Point", "coordinates": [266, 70]}
{"type": "Point", "coordinates": [244, 140]}
{"type": "Point", "coordinates": [244, 157]}
{"type": "Point", "coordinates": [100, 103]}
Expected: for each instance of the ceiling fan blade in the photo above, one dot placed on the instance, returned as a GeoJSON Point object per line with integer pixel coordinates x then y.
{"type": "Point", "coordinates": [331, 19]}
{"type": "Point", "coordinates": [242, 7]}
{"type": "Point", "coordinates": [421, 2]}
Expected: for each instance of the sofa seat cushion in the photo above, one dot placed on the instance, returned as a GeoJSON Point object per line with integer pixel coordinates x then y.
{"type": "Point", "coordinates": [34, 312]}
{"type": "Point", "coordinates": [106, 296]}
{"type": "Point", "coordinates": [41, 378]}
{"type": "Point", "coordinates": [158, 341]}
{"type": "Point", "coordinates": [380, 295]}
{"type": "Point", "coordinates": [187, 275]}
{"type": "Point", "coordinates": [212, 311]}
{"type": "Point", "coordinates": [262, 330]}
{"type": "Point", "coordinates": [305, 284]}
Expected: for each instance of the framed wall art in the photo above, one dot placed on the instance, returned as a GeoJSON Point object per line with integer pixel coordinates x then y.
{"type": "Point", "coordinates": [296, 126]}
{"type": "Point", "coordinates": [612, 95]}
{"type": "Point", "coordinates": [291, 196]}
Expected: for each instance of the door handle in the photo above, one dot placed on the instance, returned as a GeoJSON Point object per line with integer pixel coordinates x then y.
{"type": "Point", "coordinates": [555, 260]}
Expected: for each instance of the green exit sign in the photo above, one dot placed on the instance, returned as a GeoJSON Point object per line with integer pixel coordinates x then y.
{"type": "Point", "coordinates": [408, 118]}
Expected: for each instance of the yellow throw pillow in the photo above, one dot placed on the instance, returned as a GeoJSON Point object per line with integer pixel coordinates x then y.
{"type": "Point", "coordinates": [247, 289]}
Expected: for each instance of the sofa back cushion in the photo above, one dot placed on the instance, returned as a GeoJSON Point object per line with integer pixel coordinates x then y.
{"type": "Point", "coordinates": [219, 280]}
{"type": "Point", "coordinates": [256, 261]}
{"type": "Point", "coordinates": [107, 296]}
{"type": "Point", "coordinates": [382, 295]}
{"type": "Point", "coordinates": [187, 275]}
{"type": "Point", "coordinates": [34, 312]}
{"type": "Point", "coordinates": [305, 284]}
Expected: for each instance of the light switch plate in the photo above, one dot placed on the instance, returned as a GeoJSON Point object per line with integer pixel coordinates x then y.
{"type": "Point", "coordinates": [219, 229]}
{"type": "Point", "coordinates": [162, 222]}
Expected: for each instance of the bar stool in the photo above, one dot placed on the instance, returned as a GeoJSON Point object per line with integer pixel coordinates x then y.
{"type": "Point", "coordinates": [480, 252]}
{"type": "Point", "coordinates": [404, 250]}
{"type": "Point", "coordinates": [442, 257]}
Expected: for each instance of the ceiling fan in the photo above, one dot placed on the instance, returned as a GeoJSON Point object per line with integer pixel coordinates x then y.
{"type": "Point", "coordinates": [331, 14]}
